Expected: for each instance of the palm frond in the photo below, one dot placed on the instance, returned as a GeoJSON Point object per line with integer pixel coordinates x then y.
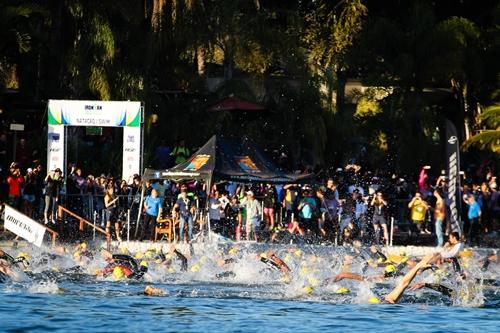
{"type": "Point", "coordinates": [486, 140]}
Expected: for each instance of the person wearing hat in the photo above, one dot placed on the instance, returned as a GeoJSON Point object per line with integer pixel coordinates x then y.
{"type": "Point", "coordinates": [185, 207]}
{"type": "Point", "coordinates": [253, 214]}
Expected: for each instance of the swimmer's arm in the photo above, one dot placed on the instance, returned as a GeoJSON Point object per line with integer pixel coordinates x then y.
{"type": "Point", "coordinates": [396, 294]}
{"type": "Point", "coordinates": [183, 259]}
{"type": "Point", "coordinates": [348, 276]}
{"type": "Point", "coordinates": [434, 286]}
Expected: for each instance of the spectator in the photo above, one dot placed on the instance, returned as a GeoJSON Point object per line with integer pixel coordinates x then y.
{"type": "Point", "coordinates": [379, 219]}
{"type": "Point", "coordinates": [53, 183]}
{"type": "Point", "coordinates": [186, 208]}
{"type": "Point", "coordinates": [473, 215]}
{"type": "Point", "coordinates": [307, 212]}
{"type": "Point", "coordinates": [29, 192]}
{"type": "Point", "coordinates": [15, 181]}
{"type": "Point", "coordinates": [418, 209]}
{"type": "Point", "coordinates": [181, 153]}
{"type": "Point", "coordinates": [253, 214]}
{"type": "Point", "coordinates": [439, 217]}
{"type": "Point", "coordinates": [270, 199]}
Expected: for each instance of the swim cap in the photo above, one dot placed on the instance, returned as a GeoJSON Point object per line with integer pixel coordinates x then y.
{"type": "Point", "coordinates": [373, 300]}
{"type": "Point", "coordinates": [465, 253]}
{"type": "Point", "coordinates": [118, 273]}
{"type": "Point", "coordinates": [298, 253]}
{"type": "Point", "coordinates": [139, 255]}
{"type": "Point", "coordinates": [23, 255]}
{"type": "Point", "coordinates": [342, 290]}
{"type": "Point", "coordinates": [233, 250]}
{"type": "Point", "coordinates": [77, 254]}
{"type": "Point", "coordinates": [123, 249]}
{"type": "Point", "coordinates": [390, 269]}
{"type": "Point", "coordinates": [83, 246]}
{"type": "Point", "coordinates": [148, 254]}
{"type": "Point", "coordinates": [171, 269]}
{"type": "Point", "coordinates": [313, 281]}
{"type": "Point", "coordinates": [143, 263]}
{"type": "Point", "coordinates": [304, 270]}
{"type": "Point", "coordinates": [308, 289]}
{"type": "Point", "coordinates": [263, 255]}
{"type": "Point", "coordinates": [195, 268]}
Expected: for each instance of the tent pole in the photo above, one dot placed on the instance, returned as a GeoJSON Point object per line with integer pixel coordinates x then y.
{"type": "Point", "coordinates": [141, 202]}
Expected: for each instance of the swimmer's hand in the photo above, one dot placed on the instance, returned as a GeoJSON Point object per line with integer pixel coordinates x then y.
{"type": "Point", "coordinates": [417, 286]}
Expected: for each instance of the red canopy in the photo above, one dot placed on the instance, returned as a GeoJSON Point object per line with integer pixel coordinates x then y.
{"type": "Point", "coordinates": [234, 104]}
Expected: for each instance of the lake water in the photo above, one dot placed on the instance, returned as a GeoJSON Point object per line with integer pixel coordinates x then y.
{"type": "Point", "coordinates": [118, 307]}
{"type": "Point", "coordinates": [256, 300]}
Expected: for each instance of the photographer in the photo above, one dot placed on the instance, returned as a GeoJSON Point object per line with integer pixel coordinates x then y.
{"type": "Point", "coordinates": [418, 209]}
{"type": "Point", "coordinates": [53, 184]}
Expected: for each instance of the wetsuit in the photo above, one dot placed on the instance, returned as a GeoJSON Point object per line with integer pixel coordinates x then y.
{"type": "Point", "coordinates": [129, 266]}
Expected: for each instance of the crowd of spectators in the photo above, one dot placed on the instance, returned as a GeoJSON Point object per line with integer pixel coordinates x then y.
{"type": "Point", "coordinates": [342, 205]}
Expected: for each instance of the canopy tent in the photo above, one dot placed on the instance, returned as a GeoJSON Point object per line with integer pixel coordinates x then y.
{"type": "Point", "coordinates": [223, 159]}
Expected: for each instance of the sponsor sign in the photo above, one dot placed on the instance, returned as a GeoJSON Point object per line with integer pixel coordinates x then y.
{"type": "Point", "coordinates": [453, 168]}
{"type": "Point", "coordinates": [197, 162]}
{"type": "Point", "coordinates": [246, 164]}
{"type": "Point", "coordinates": [23, 226]}
{"type": "Point", "coordinates": [94, 113]}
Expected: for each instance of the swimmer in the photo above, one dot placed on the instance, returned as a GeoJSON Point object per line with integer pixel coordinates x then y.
{"type": "Point", "coordinates": [451, 249]}
{"type": "Point", "coordinates": [273, 261]}
{"type": "Point", "coordinates": [152, 291]}
{"type": "Point", "coordinates": [122, 265]}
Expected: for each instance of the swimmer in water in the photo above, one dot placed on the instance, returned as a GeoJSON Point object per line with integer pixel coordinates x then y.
{"type": "Point", "coordinates": [122, 266]}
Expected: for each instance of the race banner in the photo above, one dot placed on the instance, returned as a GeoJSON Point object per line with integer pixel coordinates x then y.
{"type": "Point", "coordinates": [131, 152]}
{"type": "Point", "coordinates": [94, 113]}
{"type": "Point", "coordinates": [453, 172]}
{"type": "Point", "coordinates": [126, 114]}
{"type": "Point", "coordinates": [23, 226]}
{"type": "Point", "coordinates": [55, 147]}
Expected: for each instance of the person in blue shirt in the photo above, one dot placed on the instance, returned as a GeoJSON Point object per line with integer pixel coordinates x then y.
{"type": "Point", "coordinates": [473, 214]}
{"type": "Point", "coordinates": [307, 211]}
{"type": "Point", "coordinates": [152, 206]}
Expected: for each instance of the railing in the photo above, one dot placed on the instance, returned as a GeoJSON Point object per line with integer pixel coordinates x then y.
{"type": "Point", "coordinates": [83, 221]}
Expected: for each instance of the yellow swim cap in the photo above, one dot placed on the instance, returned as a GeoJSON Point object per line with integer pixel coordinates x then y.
{"type": "Point", "coordinates": [298, 253]}
{"type": "Point", "coordinates": [144, 263]}
{"type": "Point", "coordinates": [373, 300]}
{"type": "Point", "coordinates": [171, 269]}
{"type": "Point", "coordinates": [342, 290]}
{"type": "Point", "coordinates": [139, 255]}
{"type": "Point", "coordinates": [308, 289]}
{"type": "Point", "coordinates": [83, 246]}
{"type": "Point", "coordinates": [148, 254]}
{"type": "Point", "coordinates": [263, 255]}
{"type": "Point", "coordinates": [313, 281]}
{"type": "Point", "coordinates": [390, 269]}
{"type": "Point", "coordinates": [465, 253]}
{"type": "Point", "coordinates": [24, 255]}
{"type": "Point", "coordinates": [233, 250]}
{"type": "Point", "coordinates": [304, 270]}
{"type": "Point", "coordinates": [123, 249]}
{"type": "Point", "coordinates": [118, 273]}
{"type": "Point", "coordinates": [195, 268]}
{"type": "Point", "coordinates": [77, 254]}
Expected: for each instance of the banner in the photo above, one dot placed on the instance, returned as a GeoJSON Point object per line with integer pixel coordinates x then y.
{"type": "Point", "coordinates": [124, 114]}
{"type": "Point", "coordinates": [23, 226]}
{"type": "Point", "coordinates": [94, 113]}
{"type": "Point", "coordinates": [55, 147]}
{"type": "Point", "coordinates": [453, 171]}
{"type": "Point", "coordinates": [131, 152]}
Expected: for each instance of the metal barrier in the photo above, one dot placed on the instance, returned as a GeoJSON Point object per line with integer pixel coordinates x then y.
{"type": "Point", "coordinates": [83, 221]}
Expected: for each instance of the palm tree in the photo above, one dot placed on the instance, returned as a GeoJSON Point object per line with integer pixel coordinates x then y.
{"type": "Point", "coordinates": [488, 138]}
